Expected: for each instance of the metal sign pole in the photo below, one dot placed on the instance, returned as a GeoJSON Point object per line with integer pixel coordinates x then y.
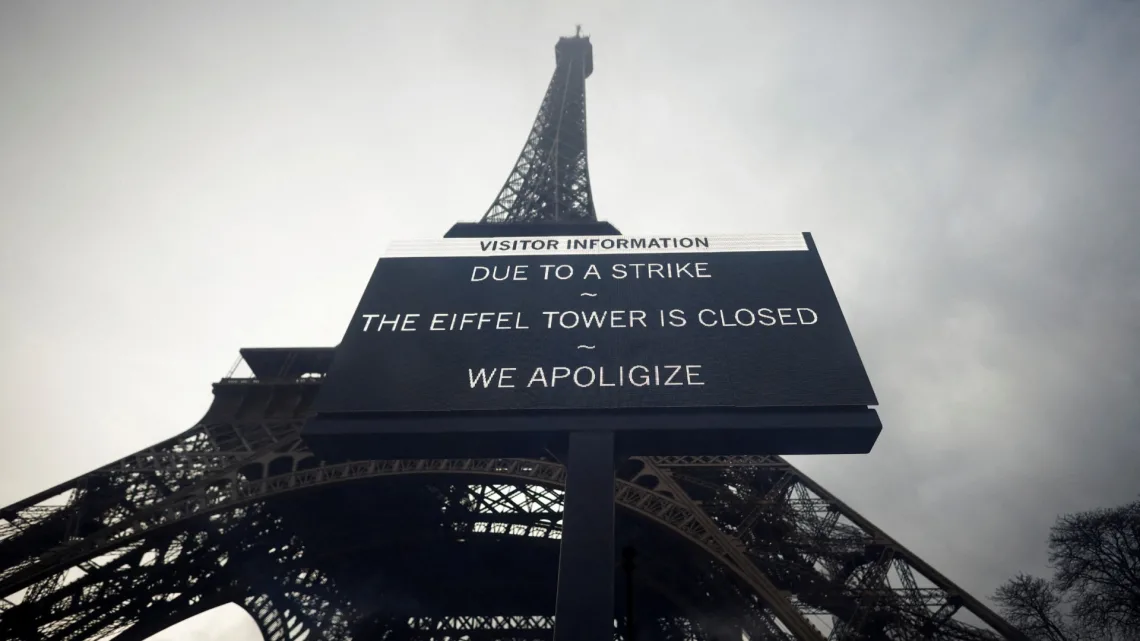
{"type": "Point", "coordinates": [584, 609]}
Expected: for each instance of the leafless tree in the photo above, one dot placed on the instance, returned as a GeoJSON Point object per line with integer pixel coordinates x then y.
{"type": "Point", "coordinates": [1094, 594]}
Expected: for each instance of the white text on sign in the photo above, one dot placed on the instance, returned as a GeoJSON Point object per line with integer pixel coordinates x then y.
{"type": "Point", "coordinates": [617, 271]}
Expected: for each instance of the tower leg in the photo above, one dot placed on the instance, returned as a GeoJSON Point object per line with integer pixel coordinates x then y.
{"type": "Point", "coordinates": [584, 610]}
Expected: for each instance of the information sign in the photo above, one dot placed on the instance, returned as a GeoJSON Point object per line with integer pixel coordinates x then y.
{"type": "Point", "coordinates": [596, 324]}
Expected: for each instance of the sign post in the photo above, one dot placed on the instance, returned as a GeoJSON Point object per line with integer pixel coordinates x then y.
{"type": "Point", "coordinates": [584, 607]}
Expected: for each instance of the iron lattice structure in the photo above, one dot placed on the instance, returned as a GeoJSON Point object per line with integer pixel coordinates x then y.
{"type": "Point", "coordinates": [237, 510]}
{"type": "Point", "coordinates": [551, 178]}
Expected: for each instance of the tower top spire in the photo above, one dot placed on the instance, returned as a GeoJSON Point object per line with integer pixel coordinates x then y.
{"type": "Point", "coordinates": [550, 181]}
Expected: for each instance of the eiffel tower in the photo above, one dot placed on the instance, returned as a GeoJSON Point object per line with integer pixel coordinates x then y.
{"type": "Point", "coordinates": [237, 510]}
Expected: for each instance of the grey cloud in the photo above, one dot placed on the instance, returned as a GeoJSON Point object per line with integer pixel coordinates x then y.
{"type": "Point", "coordinates": [969, 170]}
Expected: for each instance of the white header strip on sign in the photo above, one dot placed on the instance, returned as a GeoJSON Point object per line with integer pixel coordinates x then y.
{"type": "Point", "coordinates": [561, 245]}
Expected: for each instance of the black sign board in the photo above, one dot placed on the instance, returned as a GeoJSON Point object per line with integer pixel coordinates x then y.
{"type": "Point", "coordinates": [523, 331]}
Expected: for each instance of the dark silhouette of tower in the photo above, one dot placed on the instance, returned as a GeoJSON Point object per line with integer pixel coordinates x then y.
{"type": "Point", "coordinates": [551, 179]}
{"type": "Point", "coordinates": [236, 509]}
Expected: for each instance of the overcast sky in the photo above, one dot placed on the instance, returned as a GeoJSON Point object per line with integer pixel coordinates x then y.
{"type": "Point", "coordinates": [179, 180]}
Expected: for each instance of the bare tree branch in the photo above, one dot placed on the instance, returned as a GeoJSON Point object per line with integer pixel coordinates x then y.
{"type": "Point", "coordinates": [1033, 606]}
{"type": "Point", "coordinates": [1095, 591]}
{"type": "Point", "coordinates": [1096, 556]}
